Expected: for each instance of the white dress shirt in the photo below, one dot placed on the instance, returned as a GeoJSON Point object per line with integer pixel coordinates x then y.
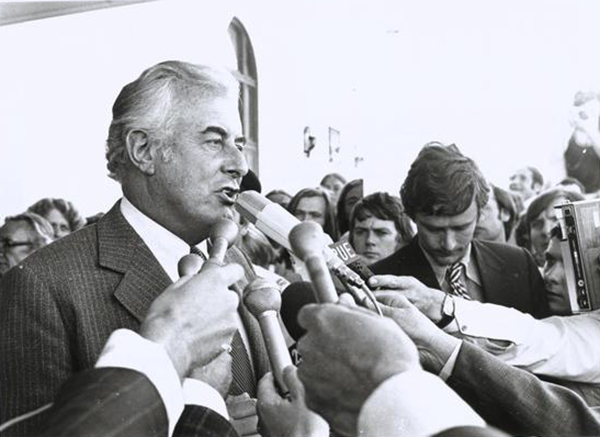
{"type": "Point", "coordinates": [168, 249]}
{"type": "Point", "coordinates": [565, 347]}
{"type": "Point", "coordinates": [413, 404]}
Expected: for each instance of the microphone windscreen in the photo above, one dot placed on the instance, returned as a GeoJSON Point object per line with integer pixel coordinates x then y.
{"type": "Point", "coordinates": [293, 298]}
{"type": "Point", "coordinates": [262, 295]}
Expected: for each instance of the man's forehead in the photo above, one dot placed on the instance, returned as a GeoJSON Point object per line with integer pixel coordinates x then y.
{"type": "Point", "coordinates": [374, 223]}
{"type": "Point", "coordinates": [466, 217]}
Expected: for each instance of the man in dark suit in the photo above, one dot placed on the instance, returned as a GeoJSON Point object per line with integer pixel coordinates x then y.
{"type": "Point", "coordinates": [135, 387]}
{"type": "Point", "coordinates": [176, 146]}
{"type": "Point", "coordinates": [444, 193]}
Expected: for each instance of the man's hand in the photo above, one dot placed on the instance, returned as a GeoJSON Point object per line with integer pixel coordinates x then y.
{"type": "Point", "coordinates": [243, 415]}
{"type": "Point", "coordinates": [434, 345]}
{"type": "Point", "coordinates": [347, 353]}
{"type": "Point", "coordinates": [585, 115]}
{"type": "Point", "coordinates": [194, 317]}
{"type": "Point", "coordinates": [428, 300]}
{"type": "Point", "coordinates": [217, 373]}
{"type": "Point", "coordinates": [288, 417]}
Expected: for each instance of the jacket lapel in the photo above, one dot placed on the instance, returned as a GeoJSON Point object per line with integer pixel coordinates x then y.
{"type": "Point", "coordinates": [493, 273]}
{"type": "Point", "coordinates": [122, 250]}
{"type": "Point", "coordinates": [415, 264]}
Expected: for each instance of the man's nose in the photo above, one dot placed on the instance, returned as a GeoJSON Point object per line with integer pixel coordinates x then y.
{"type": "Point", "coordinates": [449, 241]}
{"type": "Point", "coordinates": [547, 227]}
{"type": "Point", "coordinates": [235, 163]}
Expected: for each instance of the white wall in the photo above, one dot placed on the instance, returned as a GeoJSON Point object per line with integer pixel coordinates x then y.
{"type": "Point", "coordinates": [496, 77]}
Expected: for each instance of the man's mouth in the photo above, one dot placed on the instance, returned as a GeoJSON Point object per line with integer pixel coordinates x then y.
{"type": "Point", "coordinates": [229, 194]}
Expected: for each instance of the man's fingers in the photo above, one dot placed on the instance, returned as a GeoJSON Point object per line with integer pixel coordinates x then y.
{"type": "Point", "coordinates": [346, 299]}
{"type": "Point", "coordinates": [308, 315]}
{"type": "Point", "coordinates": [242, 408]}
{"type": "Point", "coordinates": [246, 426]}
{"type": "Point", "coordinates": [392, 298]}
{"type": "Point", "coordinates": [266, 389]}
{"type": "Point", "coordinates": [290, 377]}
{"type": "Point", "coordinates": [229, 274]}
{"type": "Point", "coordinates": [392, 282]}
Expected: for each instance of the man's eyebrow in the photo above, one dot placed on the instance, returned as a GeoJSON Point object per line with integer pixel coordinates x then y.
{"type": "Point", "coordinates": [215, 129]}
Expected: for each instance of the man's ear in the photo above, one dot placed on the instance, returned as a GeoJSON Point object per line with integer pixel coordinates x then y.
{"type": "Point", "coordinates": [503, 215]}
{"type": "Point", "coordinates": [141, 152]}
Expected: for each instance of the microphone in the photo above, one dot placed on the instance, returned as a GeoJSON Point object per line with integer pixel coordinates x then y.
{"type": "Point", "coordinates": [307, 241]}
{"type": "Point", "coordinates": [293, 298]}
{"type": "Point", "coordinates": [222, 236]}
{"type": "Point", "coordinates": [263, 300]}
{"type": "Point", "coordinates": [277, 223]}
{"type": "Point", "coordinates": [190, 264]}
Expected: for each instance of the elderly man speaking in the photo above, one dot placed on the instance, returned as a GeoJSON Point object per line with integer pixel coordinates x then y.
{"type": "Point", "coordinates": [175, 144]}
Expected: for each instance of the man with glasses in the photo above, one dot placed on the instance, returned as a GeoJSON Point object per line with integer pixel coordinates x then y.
{"type": "Point", "coordinates": [20, 236]}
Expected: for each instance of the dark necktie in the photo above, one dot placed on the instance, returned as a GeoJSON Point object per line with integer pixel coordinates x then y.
{"type": "Point", "coordinates": [244, 380]}
{"type": "Point", "coordinates": [457, 288]}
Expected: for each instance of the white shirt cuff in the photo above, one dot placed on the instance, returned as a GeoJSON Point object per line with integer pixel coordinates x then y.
{"type": "Point", "coordinates": [449, 365]}
{"type": "Point", "coordinates": [403, 405]}
{"type": "Point", "coordinates": [129, 350]}
{"type": "Point", "coordinates": [200, 393]}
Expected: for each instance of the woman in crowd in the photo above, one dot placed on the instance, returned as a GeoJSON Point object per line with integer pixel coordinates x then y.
{"type": "Point", "coordinates": [20, 236]}
{"type": "Point", "coordinates": [333, 183]}
{"type": "Point", "coordinates": [61, 214]}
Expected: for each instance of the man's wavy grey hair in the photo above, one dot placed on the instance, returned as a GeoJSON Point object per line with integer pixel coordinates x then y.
{"type": "Point", "coordinates": [148, 104]}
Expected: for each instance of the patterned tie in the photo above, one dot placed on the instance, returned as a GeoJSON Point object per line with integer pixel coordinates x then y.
{"type": "Point", "coordinates": [454, 274]}
{"type": "Point", "coordinates": [244, 380]}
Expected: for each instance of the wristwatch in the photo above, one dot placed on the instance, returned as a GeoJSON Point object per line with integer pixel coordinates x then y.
{"type": "Point", "coordinates": [448, 308]}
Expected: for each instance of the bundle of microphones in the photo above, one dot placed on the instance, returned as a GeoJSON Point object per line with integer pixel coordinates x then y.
{"type": "Point", "coordinates": [264, 299]}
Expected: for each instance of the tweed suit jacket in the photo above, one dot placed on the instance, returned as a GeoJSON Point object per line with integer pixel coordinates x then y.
{"type": "Point", "coordinates": [60, 305]}
{"type": "Point", "coordinates": [117, 402]}
{"type": "Point", "coordinates": [516, 401]}
{"type": "Point", "coordinates": [509, 275]}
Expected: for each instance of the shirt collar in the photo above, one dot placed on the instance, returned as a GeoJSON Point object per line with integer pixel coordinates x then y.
{"type": "Point", "coordinates": [468, 260]}
{"type": "Point", "coordinates": [166, 247]}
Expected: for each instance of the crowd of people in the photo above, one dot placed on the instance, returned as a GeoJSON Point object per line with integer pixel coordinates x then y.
{"type": "Point", "coordinates": [104, 333]}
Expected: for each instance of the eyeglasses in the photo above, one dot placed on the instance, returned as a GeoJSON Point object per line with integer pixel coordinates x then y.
{"type": "Point", "coordinates": [10, 244]}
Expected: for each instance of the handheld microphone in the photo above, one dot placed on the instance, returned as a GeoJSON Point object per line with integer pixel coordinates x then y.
{"type": "Point", "coordinates": [222, 236]}
{"type": "Point", "coordinates": [190, 264]}
{"type": "Point", "coordinates": [263, 300]}
{"type": "Point", "coordinates": [307, 241]}
{"type": "Point", "coordinates": [277, 223]}
{"type": "Point", "coordinates": [293, 298]}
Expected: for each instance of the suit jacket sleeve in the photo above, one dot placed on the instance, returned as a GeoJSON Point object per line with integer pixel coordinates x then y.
{"type": "Point", "coordinates": [117, 402]}
{"type": "Point", "coordinates": [516, 401]}
{"type": "Point", "coordinates": [33, 343]}
{"type": "Point", "coordinates": [106, 402]}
